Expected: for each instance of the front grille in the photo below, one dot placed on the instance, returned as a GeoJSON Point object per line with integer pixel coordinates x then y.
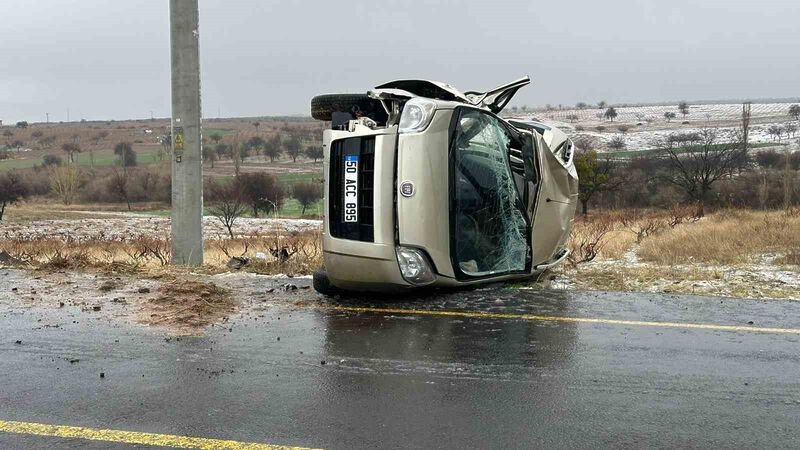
{"type": "Point", "coordinates": [363, 230]}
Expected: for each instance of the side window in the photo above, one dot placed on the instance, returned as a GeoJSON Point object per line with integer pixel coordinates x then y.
{"type": "Point", "coordinates": [490, 230]}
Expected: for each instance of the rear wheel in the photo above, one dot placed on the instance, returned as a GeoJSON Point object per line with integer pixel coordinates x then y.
{"type": "Point", "coordinates": [323, 106]}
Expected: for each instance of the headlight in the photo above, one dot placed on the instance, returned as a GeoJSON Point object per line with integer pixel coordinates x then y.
{"type": "Point", "coordinates": [417, 114]}
{"type": "Point", "coordinates": [414, 266]}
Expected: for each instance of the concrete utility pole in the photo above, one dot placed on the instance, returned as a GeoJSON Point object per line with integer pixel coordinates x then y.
{"type": "Point", "coordinates": [187, 169]}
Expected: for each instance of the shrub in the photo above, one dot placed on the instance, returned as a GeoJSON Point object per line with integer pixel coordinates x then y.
{"type": "Point", "coordinates": [314, 152]}
{"type": "Point", "coordinates": [12, 190]}
{"type": "Point", "coordinates": [261, 192]}
{"type": "Point", "coordinates": [51, 160]}
{"type": "Point", "coordinates": [616, 143]}
{"type": "Point", "coordinates": [307, 194]}
{"type": "Point", "coordinates": [587, 238]}
{"type": "Point", "coordinates": [125, 154]}
{"type": "Point", "coordinates": [65, 182]}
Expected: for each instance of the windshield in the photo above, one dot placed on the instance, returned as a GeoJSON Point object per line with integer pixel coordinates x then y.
{"type": "Point", "coordinates": [489, 227]}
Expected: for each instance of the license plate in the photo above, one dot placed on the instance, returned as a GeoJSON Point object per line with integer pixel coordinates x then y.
{"type": "Point", "coordinates": [351, 188]}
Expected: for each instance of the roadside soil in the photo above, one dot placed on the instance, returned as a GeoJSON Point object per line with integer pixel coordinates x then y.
{"type": "Point", "coordinates": [177, 304]}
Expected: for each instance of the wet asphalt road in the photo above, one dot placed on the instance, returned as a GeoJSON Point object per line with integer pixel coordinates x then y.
{"type": "Point", "coordinates": [418, 381]}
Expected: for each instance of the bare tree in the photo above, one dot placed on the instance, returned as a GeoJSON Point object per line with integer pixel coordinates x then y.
{"type": "Point", "coordinates": [126, 155]}
{"type": "Point", "coordinates": [794, 111]}
{"type": "Point", "coordinates": [12, 190]}
{"type": "Point", "coordinates": [273, 148]}
{"type": "Point", "coordinates": [118, 184]}
{"type": "Point", "coordinates": [611, 114]}
{"type": "Point", "coordinates": [790, 129]}
{"type": "Point", "coordinates": [261, 192]}
{"type": "Point", "coordinates": [293, 147]}
{"type": "Point", "coordinates": [776, 131]}
{"type": "Point", "coordinates": [209, 155]}
{"type": "Point", "coordinates": [698, 160]}
{"type": "Point", "coordinates": [221, 150]}
{"type": "Point", "coordinates": [99, 137]}
{"type": "Point", "coordinates": [256, 125]}
{"type": "Point", "coordinates": [683, 107]}
{"type": "Point", "coordinates": [314, 152]}
{"type": "Point", "coordinates": [64, 181]}
{"type": "Point", "coordinates": [227, 203]}
{"type": "Point", "coordinates": [669, 115]}
{"type": "Point", "coordinates": [70, 148]}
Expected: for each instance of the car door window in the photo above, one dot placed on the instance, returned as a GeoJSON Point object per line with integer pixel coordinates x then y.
{"type": "Point", "coordinates": [489, 227]}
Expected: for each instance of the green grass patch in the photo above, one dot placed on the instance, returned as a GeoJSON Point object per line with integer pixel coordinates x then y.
{"type": "Point", "coordinates": [292, 208]}
{"type": "Point", "coordinates": [219, 131]}
{"type": "Point", "coordinates": [291, 178]}
{"type": "Point", "coordinates": [101, 159]}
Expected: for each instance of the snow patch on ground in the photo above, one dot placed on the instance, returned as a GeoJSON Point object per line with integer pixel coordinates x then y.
{"type": "Point", "coordinates": [647, 126]}
{"type": "Point", "coordinates": [130, 227]}
{"type": "Point", "coordinates": [761, 280]}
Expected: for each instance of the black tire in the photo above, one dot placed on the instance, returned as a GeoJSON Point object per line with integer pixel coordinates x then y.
{"type": "Point", "coordinates": [322, 284]}
{"type": "Point", "coordinates": [323, 106]}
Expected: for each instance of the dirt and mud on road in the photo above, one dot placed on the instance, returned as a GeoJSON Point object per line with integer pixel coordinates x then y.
{"type": "Point", "coordinates": [177, 304]}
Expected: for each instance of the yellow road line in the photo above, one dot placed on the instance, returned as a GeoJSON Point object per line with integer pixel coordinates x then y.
{"type": "Point", "coordinates": [533, 317]}
{"type": "Point", "coordinates": [132, 437]}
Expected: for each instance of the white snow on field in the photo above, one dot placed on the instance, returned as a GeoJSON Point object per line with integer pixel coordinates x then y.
{"type": "Point", "coordinates": [647, 125]}
{"type": "Point", "coordinates": [649, 139]}
{"type": "Point", "coordinates": [759, 279]}
{"type": "Point", "coordinates": [130, 227]}
{"type": "Point", "coordinates": [706, 112]}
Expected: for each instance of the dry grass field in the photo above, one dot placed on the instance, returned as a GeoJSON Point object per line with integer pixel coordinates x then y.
{"type": "Point", "coordinates": [736, 253]}
{"type": "Point", "coordinates": [277, 252]}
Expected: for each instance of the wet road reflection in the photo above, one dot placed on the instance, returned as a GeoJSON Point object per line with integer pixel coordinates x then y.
{"type": "Point", "coordinates": [290, 371]}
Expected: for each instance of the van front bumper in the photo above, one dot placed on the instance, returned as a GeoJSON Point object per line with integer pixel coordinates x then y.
{"type": "Point", "coordinates": [373, 270]}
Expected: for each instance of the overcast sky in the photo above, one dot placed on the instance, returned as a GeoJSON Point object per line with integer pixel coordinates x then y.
{"type": "Point", "coordinates": [110, 59]}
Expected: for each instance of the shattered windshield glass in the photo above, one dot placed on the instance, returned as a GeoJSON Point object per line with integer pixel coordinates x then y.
{"type": "Point", "coordinates": [490, 229]}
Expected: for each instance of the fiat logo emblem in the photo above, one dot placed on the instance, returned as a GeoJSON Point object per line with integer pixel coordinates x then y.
{"type": "Point", "coordinates": [407, 188]}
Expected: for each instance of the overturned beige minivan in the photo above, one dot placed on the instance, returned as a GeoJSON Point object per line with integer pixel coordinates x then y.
{"type": "Point", "coordinates": [426, 186]}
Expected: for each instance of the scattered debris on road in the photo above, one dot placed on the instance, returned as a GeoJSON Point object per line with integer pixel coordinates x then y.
{"type": "Point", "coordinates": [187, 306]}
